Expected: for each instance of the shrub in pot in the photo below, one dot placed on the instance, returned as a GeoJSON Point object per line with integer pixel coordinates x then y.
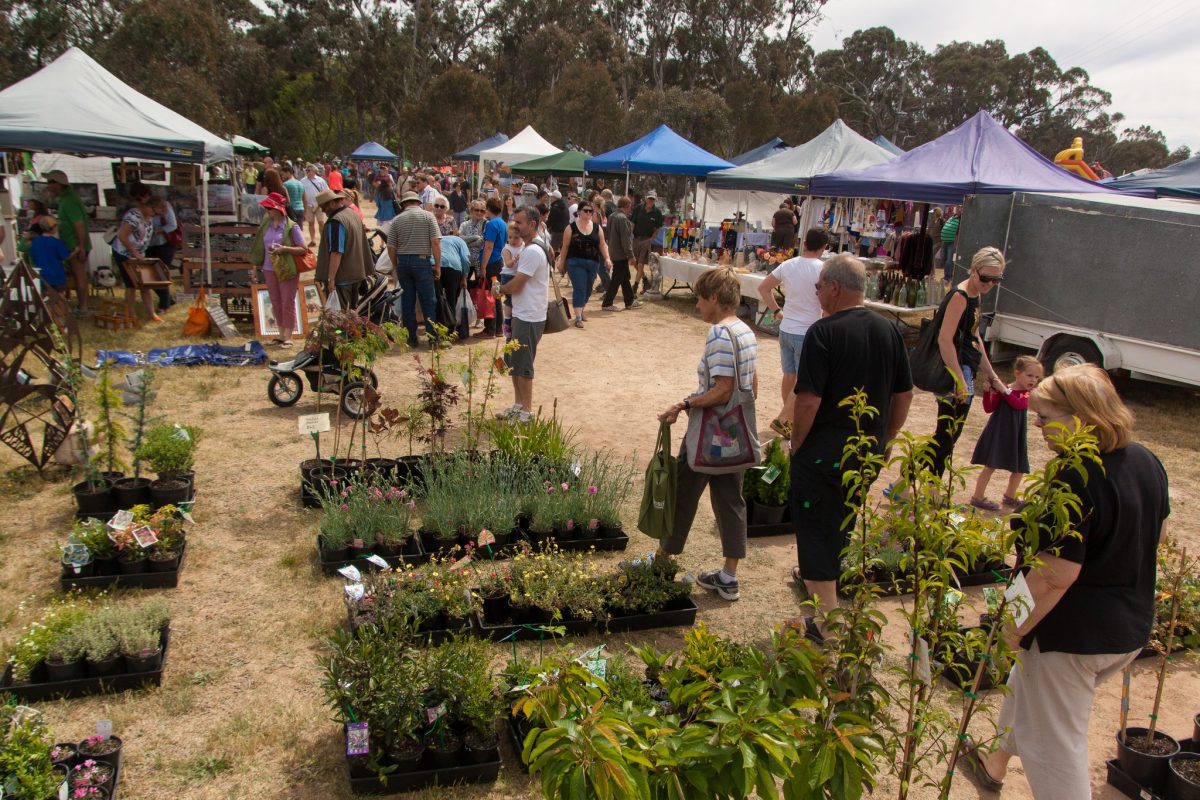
{"type": "Point", "coordinates": [93, 534]}
{"type": "Point", "coordinates": [141, 646]}
{"type": "Point", "coordinates": [101, 649]}
{"type": "Point", "coordinates": [26, 767]}
{"type": "Point", "coordinates": [64, 658]}
{"type": "Point", "coordinates": [170, 451]}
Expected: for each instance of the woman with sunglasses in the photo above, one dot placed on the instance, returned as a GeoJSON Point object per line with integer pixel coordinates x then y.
{"type": "Point", "coordinates": [441, 208]}
{"type": "Point", "coordinates": [962, 350]}
{"type": "Point", "coordinates": [583, 249]}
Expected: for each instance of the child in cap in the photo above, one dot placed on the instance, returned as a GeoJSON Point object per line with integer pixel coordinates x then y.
{"type": "Point", "coordinates": [47, 254]}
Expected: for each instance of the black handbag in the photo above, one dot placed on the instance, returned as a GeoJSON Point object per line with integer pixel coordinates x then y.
{"type": "Point", "coordinates": [929, 370]}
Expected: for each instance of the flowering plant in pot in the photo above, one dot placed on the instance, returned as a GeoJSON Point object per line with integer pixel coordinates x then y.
{"type": "Point", "coordinates": [27, 769]}
{"type": "Point", "coordinates": [644, 587]}
{"type": "Point", "coordinates": [91, 772]}
{"type": "Point", "coordinates": [105, 747]}
{"type": "Point", "coordinates": [362, 512]}
{"type": "Point", "coordinates": [33, 646]}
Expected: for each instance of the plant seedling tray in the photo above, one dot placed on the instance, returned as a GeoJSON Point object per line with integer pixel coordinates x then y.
{"type": "Point", "coordinates": [680, 611]}
{"type": "Point", "coordinates": [900, 586]}
{"type": "Point", "coordinates": [331, 567]}
{"type": "Point", "coordinates": [518, 743]}
{"type": "Point", "coordinates": [40, 689]}
{"type": "Point", "coordinates": [527, 632]}
{"type": "Point", "coordinates": [1127, 785]}
{"type": "Point", "coordinates": [140, 580]}
{"type": "Point", "coordinates": [601, 543]}
{"type": "Point", "coordinates": [487, 772]}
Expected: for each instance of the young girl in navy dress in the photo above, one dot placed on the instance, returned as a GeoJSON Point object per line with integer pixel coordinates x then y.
{"type": "Point", "coordinates": [1002, 443]}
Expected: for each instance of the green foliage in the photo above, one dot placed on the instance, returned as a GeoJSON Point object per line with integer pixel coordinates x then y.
{"type": "Point", "coordinates": [645, 587]}
{"type": "Point", "coordinates": [26, 772]}
{"type": "Point", "coordinates": [1187, 612]}
{"type": "Point", "coordinates": [470, 494]}
{"type": "Point", "coordinates": [362, 508]}
{"type": "Point", "coordinates": [777, 461]}
{"type": "Point", "coordinates": [32, 647]}
{"type": "Point", "coordinates": [170, 449]}
{"type": "Point", "coordinates": [542, 439]}
{"type": "Point", "coordinates": [140, 418]}
{"type": "Point", "coordinates": [94, 535]}
{"type": "Point", "coordinates": [109, 430]}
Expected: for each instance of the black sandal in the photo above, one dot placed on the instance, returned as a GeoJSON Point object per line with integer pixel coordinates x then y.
{"type": "Point", "coordinates": [978, 771]}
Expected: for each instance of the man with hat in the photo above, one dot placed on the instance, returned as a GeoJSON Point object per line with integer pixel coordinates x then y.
{"type": "Point", "coordinates": [343, 259]}
{"type": "Point", "coordinates": [414, 240]}
{"type": "Point", "coordinates": [529, 192]}
{"type": "Point", "coordinates": [313, 185]}
{"type": "Point", "coordinates": [647, 221]}
{"type": "Point", "coordinates": [72, 230]}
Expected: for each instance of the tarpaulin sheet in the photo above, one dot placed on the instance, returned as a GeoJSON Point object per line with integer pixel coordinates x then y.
{"type": "Point", "coordinates": [188, 355]}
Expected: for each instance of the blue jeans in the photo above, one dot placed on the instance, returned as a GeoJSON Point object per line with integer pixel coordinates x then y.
{"type": "Point", "coordinates": [583, 278]}
{"type": "Point", "coordinates": [414, 274]}
{"type": "Point", "coordinates": [789, 351]}
{"type": "Point", "coordinates": [948, 260]}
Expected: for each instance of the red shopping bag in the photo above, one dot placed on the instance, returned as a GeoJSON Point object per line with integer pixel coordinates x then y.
{"type": "Point", "coordinates": [485, 304]}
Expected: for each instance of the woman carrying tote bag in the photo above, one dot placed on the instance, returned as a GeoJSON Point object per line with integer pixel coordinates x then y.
{"type": "Point", "coordinates": [721, 441]}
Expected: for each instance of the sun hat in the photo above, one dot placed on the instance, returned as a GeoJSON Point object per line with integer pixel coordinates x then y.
{"type": "Point", "coordinates": [327, 196]}
{"type": "Point", "coordinates": [410, 197]}
{"type": "Point", "coordinates": [57, 176]}
{"type": "Point", "coordinates": [276, 201]}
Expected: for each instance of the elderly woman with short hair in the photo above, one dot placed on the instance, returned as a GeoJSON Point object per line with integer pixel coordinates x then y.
{"type": "Point", "coordinates": [1092, 590]}
{"type": "Point", "coordinates": [730, 354]}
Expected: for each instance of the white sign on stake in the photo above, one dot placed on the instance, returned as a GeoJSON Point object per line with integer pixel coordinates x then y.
{"type": "Point", "coordinates": [351, 573]}
{"type": "Point", "coordinates": [378, 561]}
{"type": "Point", "coordinates": [1020, 598]}
{"type": "Point", "coordinates": [355, 591]}
{"type": "Point", "coordinates": [313, 423]}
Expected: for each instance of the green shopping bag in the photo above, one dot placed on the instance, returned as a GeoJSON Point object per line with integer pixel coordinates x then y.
{"type": "Point", "coordinates": [657, 516]}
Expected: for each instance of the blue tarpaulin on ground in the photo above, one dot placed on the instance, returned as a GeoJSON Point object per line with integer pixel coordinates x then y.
{"type": "Point", "coordinates": [188, 355]}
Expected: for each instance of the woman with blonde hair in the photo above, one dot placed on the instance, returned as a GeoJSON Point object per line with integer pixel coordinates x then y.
{"type": "Point", "coordinates": [1092, 589]}
{"type": "Point", "coordinates": [962, 350]}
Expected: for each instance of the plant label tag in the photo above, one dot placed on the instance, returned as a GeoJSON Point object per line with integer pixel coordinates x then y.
{"type": "Point", "coordinates": [771, 474]}
{"type": "Point", "coordinates": [576, 469]}
{"type": "Point", "coordinates": [104, 728]}
{"type": "Point", "coordinates": [951, 599]}
{"type": "Point", "coordinates": [923, 669]}
{"type": "Point", "coordinates": [358, 739]}
{"type": "Point", "coordinates": [144, 536]}
{"type": "Point", "coordinates": [486, 537]}
{"type": "Point", "coordinates": [313, 423]}
{"type": "Point", "coordinates": [121, 520]}
{"type": "Point", "coordinates": [181, 434]}
{"type": "Point", "coordinates": [378, 561]}
{"type": "Point", "coordinates": [351, 573]}
{"type": "Point", "coordinates": [185, 510]}
{"type": "Point", "coordinates": [598, 667]}
{"type": "Point", "coordinates": [435, 713]}
{"type": "Point", "coordinates": [462, 562]}
{"type": "Point", "coordinates": [355, 591]}
{"type": "Point", "coordinates": [1020, 598]}
{"type": "Point", "coordinates": [466, 377]}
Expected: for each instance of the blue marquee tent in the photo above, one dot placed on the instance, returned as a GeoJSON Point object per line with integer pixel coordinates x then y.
{"type": "Point", "coordinates": [1178, 180]}
{"type": "Point", "coordinates": [472, 153]}
{"type": "Point", "coordinates": [978, 157]}
{"type": "Point", "coordinates": [889, 145]}
{"type": "Point", "coordinates": [374, 150]}
{"type": "Point", "coordinates": [759, 153]}
{"type": "Point", "coordinates": [661, 151]}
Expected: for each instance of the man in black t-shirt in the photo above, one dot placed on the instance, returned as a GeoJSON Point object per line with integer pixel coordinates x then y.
{"type": "Point", "coordinates": [849, 349]}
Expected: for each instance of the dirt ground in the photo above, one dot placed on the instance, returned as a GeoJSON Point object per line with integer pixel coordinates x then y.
{"type": "Point", "coordinates": [240, 713]}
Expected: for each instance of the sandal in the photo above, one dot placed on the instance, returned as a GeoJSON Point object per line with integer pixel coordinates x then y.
{"type": "Point", "coordinates": [801, 586]}
{"type": "Point", "coordinates": [782, 427]}
{"type": "Point", "coordinates": [1011, 502]}
{"type": "Point", "coordinates": [984, 504]}
{"type": "Point", "coordinates": [977, 770]}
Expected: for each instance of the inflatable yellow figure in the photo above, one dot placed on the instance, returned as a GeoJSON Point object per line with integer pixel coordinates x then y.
{"type": "Point", "coordinates": [1071, 160]}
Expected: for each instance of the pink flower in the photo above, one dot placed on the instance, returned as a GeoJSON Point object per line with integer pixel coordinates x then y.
{"type": "Point", "coordinates": [592, 489]}
{"type": "Point", "coordinates": [333, 482]}
{"type": "Point", "coordinates": [376, 493]}
{"type": "Point", "coordinates": [344, 507]}
{"type": "Point", "coordinates": [412, 505]}
{"type": "Point", "coordinates": [565, 487]}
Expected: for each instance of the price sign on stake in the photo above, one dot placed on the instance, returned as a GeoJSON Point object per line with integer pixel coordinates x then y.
{"type": "Point", "coordinates": [358, 739]}
{"type": "Point", "coordinates": [313, 423]}
{"type": "Point", "coordinates": [378, 561]}
{"type": "Point", "coordinates": [435, 713]}
{"type": "Point", "coordinates": [351, 573]}
{"type": "Point", "coordinates": [486, 537]}
{"type": "Point", "coordinates": [355, 591]}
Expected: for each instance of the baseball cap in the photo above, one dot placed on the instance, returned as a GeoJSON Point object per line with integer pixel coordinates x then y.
{"type": "Point", "coordinates": [528, 188]}
{"type": "Point", "coordinates": [57, 176]}
{"type": "Point", "coordinates": [651, 195]}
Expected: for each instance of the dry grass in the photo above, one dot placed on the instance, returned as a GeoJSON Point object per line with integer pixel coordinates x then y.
{"type": "Point", "coordinates": [240, 713]}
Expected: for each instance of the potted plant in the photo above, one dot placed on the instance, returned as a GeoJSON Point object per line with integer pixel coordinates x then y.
{"type": "Point", "coordinates": [93, 534]}
{"type": "Point", "coordinates": [135, 489]}
{"type": "Point", "coordinates": [91, 772]}
{"type": "Point", "coordinates": [64, 657]}
{"type": "Point", "coordinates": [141, 646]}
{"type": "Point", "coordinates": [64, 753]}
{"type": "Point", "coordinates": [26, 767]}
{"type": "Point", "coordinates": [109, 431]}
{"type": "Point", "coordinates": [131, 557]}
{"type": "Point", "coordinates": [1183, 777]}
{"type": "Point", "coordinates": [102, 747]}
{"type": "Point", "coordinates": [168, 527]}
{"type": "Point", "coordinates": [494, 586]}
{"type": "Point", "coordinates": [89, 793]}
{"type": "Point", "coordinates": [170, 450]}
{"type": "Point", "coordinates": [766, 486]}
{"type": "Point", "coordinates": [101, 649]}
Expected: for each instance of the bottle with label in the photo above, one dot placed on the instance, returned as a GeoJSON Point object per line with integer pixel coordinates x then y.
{"type": "Point", "coordinates": [922, 296]}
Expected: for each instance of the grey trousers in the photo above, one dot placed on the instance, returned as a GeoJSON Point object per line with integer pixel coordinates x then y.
{"type": "Point", "coordinates": [1044, 718]}
{"type": "Point", "coordinates": [728, 505]}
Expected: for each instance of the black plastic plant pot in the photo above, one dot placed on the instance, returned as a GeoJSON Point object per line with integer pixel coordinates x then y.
{"type": "Point", "coordinates": [73, 570]}
{"type": "Point", "coordinates": [94, 498]}
{"type": "Point", "coordinates": [1150, 771]}
{"type": "Point", "coordinates": [164, 562]}
{"type": "Point", "coordinates": [131, 566]}
{"type": "Point", "coordinates": [1181, 786]}
{"type": "Point", "coordinates": [105, 668]}
{"type": "Point", "coordinates": [105, 564]}
{"type": "Point", "coordinates": [169, 491]}
{"type": "Point", "coordinates": [130, 492]}
{"type": "Point", "coordinates": [113, 756]}
{"type": "Point", "coordinates": [495, 609]}
{"type": "Point", "coordinates": [1196, 731]}
{"type": "Point", "coordinates": [478, 748]}
{"type": "Point", "coordinates": [445, 749]}
{"type": "Point", "coordinates": [142, 663]}
{"type": "Point", "coordinates": [407, 756]}
{"type": "Point", "coordinates": [70, 753]}
{"type": "Point", "coordinates": [384, 468]}
{"type": "Point", "coordinates": [767, 514]}
{"type": "Point", "coordinates": [64, 671]}
{"type": "Point", "coordinates": [319, 479]}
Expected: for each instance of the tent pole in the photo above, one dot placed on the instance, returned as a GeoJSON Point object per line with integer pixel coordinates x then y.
{"type": "Point", "coordinates": [703, 212]}
{"type": "Point", "coordinates": [205, 220]}
{"type": "Point", "coordinates": [626, 179]}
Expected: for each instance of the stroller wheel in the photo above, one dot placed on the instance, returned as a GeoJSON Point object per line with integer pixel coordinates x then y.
{"type": "Point", "coordinates": [353, 400]}
{"type": "Point", "coordinates": [285, 389]}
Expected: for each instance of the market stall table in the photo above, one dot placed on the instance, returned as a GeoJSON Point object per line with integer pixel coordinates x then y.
{"type": "Point", "coordinates": [686, 273]}
{"type": "Point", "coordinates": [897, 311]}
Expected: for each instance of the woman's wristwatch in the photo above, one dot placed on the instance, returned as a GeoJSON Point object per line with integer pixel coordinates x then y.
{"type": "Point", "coordinates": [687, 404]}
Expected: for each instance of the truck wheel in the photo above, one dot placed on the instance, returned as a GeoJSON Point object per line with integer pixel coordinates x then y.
{"type": "Point", "coordinates": [1068, 351]}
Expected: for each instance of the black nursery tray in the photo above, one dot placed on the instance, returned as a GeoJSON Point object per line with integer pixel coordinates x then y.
{"type": "Point", "coordinates": [487, 772]}
{"type": "Point", "coordinates": [680, 611]}
{"type": "Point", "coordinates": [517, 741]}
{"type": "Point", "coordinates": [426, 637]}
{"type": "Point", "coordinates": [140, 580]}
{"type": "Point", "coordinates": [755, 528]}
{"type": "Point", "coordinates": [521, 633]}
{"type": "Point", "coordinates": [902, 585]}
{"type": "Point", "coordinates": [1127, 785]}
{"type": "Point", "coordinates": [601, 543]}
{"type": "Point", "coordinates": [105, 516]}
{"type": "Point", "coordinates": [331, 567]}
{"type": "Point", "coordinates": [40, 689]}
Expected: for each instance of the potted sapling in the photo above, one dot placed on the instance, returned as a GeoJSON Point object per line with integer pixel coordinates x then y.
{"type": "Point", "coordinates": [93, 495]}
{"type": "Point", "coordinates": [171, 451]}
{"type": "Point", "coordinates": [108, 428]}
{"type": "Point", "coordinates": [482, 705]}
{"type": "Point", "coordinates": [93, 534]}
{"type": "Point", "coordinates": [767, 485]}
{"type": "Point", "coordinates": [77, 561]}
{"type": "Point", "coordinates": [135, 489]}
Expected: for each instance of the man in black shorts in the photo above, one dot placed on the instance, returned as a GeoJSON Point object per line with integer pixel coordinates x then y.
{"type": "Point", "coordinates": [849, 349]}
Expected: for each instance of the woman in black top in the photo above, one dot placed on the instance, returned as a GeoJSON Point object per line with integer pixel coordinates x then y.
{"type": "Point", "coordinates": [583, 248]}
{"type": "Point", "coordinates": [1093, 591]}
{"type": "Point", "coordinates": [962, 350]}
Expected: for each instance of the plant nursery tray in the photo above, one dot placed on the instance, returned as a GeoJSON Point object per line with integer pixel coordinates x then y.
{"type": "Point", "coordinates": [140, 580]}
{"type": "Point", "coordinates": [755, 528]}
{"type": "Point", "coordinates": [531, 632]}
{"type": "Point", "coordinates": [487, 772]}
{"type": "Point", "coordinates": [1127, 785]}
{"type": "Point", "coordinates": [105, 516]}
{"type": "Point", "coordinates": [601, 543]}
{"type": "Point", "coordinates": [680, 611]}
{"type": "Point", "coordinates": [899, 586]}
{"type": "Point", "coordinates": [331, 567]}
{"type": "Point", "coordinates": [37, 690]}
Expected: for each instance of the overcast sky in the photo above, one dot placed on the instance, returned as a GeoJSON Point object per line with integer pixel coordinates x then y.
{"type": "Point", "coordinates": [1146, 53]}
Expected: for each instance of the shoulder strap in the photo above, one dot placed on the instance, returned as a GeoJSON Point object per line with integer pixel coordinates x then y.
{"type": "Point", "coordinates": [737, 378]}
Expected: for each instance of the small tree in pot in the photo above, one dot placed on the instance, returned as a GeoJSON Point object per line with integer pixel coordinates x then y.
{"type": "Point", "coordinates": [171, 452]}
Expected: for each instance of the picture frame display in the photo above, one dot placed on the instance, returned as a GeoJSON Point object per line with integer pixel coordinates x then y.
{"type": "Point", "coordinates": [265, 324]}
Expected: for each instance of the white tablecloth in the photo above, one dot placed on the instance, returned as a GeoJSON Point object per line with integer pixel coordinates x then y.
{"type": "Point", "coordinates": [681, 271]}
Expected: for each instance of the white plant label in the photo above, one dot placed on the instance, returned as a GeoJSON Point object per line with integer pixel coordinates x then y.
{"type": "Point", "coordinates": [923, 669]}
{"type": "Point", "coordinates": [435, 713]}
{"type": "Point", "coordinates": [104, 728]}
{"type": "Point", "coordinates": [1020, 598]}
{"type": "Point", "coordinates": [355, 591]}
{"type": "Point", "coordinates": [313, 423]}
{"type": "Point", "coordinates": [351, 573]}
{"type": "Point", "coordinates": [598, 667]}
{"type": "Point", "coordinates": [121, 520]}
{"type": "Point", "coordinates": [378, 561]}
{"type": "Point", "coordinates": [576, 468]}
{"type": "Point", "coordinates": [145, 536]}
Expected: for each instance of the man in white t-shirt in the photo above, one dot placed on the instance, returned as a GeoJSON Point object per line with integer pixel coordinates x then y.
{"type": "Point", "coordinates": [313, 185]}
{"type": "Point", "coordinates": [427, 191]}
{"type": "Point", "coordinates": [799, 277]}
{"type": "Point", "coordinates": [528, 292]}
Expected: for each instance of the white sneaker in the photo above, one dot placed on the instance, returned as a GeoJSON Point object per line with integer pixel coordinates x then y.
{"type": "Point", "coordinates": [611, 308]}
{"type": "Point", "coordinates": [511, 412]}
{"type": "Point", "coordinates": [523, 417]}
